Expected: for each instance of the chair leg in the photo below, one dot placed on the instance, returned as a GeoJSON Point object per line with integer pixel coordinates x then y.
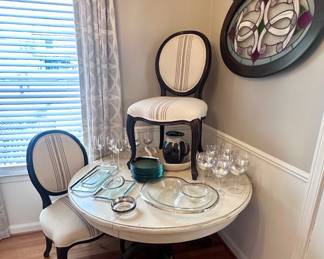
{"type": "Point", "coordinates": [200, 149]}
{"type": "Point", "coordinates": [62, 252]}
{"type": "Point", "coordinates": [130, 125]}
{"type": "Point", "coordinates": [195, 126]}
{"type": "Point", "coordinates": [48, 248]}
{"type": "Point", "coordinates": [161, 136]}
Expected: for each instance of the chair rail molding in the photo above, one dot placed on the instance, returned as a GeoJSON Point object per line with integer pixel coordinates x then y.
{"type": "Point", "coordinates": [284, 166]}
{"type": "Point", "coordinates": [315, 187]}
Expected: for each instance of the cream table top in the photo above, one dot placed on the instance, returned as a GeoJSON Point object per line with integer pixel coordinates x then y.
{"type": "Point", "coordinates": [151, 225]}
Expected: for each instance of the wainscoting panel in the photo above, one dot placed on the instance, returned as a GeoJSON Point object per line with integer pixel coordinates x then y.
{"type": "Point", "coordinates": [22, 202]}
{"type": "Point", "coordinates": [267, 228]}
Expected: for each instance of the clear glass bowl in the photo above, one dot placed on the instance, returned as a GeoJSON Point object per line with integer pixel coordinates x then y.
{"type": "Point", "coordinates": [195, 191]}
{"type": "Point", "coordinates": [175, 194]}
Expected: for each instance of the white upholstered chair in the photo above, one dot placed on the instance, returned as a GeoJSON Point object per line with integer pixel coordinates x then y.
{"type": "Point", "coordinates": [53, 157]}
{"type": "Point", "coordinates": [182, 66]}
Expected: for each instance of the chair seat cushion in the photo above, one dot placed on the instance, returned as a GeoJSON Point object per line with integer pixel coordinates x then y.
{"type": "Point", "coordinates": [169, 109]}
{"type": "Point", "coordinates": [64, 225]}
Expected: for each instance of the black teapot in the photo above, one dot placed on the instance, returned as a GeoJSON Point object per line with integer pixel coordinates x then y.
{"type": "Point", "coordinates": [174, 148]}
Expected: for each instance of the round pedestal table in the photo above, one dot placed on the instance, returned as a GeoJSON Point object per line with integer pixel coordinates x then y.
{"type": "Point", "coordinates": [147, 224]}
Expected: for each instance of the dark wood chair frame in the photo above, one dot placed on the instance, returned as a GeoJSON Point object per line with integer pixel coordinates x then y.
{"type": "Point", "coordinates": [61, 252]}
{"type": "Point", "coordinates": [196, 91]}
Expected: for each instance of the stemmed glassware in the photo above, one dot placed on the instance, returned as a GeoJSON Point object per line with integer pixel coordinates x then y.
{"type": "Point", "coordinates": [212, 149]}
{"type": "Point", "coordinates": [238, 167]}
{"type": "Point", "coordinates": [219, 160]}
{"type": "Point", "coordinates": [98, 144]}
{"type": "Point", "coordinates": [202, 166]}
{"type": "Point", "coordinates": [114, 145]}
{"type": "Point", "coordinates": [118, 148]}
{"type": "Point", "coordinates": [205, 162]}
{"type": "Point", "coordinates": [147, 138]}
{"type": "Point", "coordinates": [220, 169]}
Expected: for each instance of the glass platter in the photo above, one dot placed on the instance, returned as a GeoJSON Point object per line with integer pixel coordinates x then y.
{"type": "Point", "coordinates": [94, 179]}
{"type": "Point", "coordinates": [175, 194]}
{"type": "Point", "coordinates": [113, 193]}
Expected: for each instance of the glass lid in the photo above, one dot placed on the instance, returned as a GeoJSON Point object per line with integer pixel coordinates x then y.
{"type": "Point", "coordinates": [175, 194]}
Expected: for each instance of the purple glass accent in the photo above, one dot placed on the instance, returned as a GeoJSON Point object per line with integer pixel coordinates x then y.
{"type": "Point", "coordinates": [255, 56]}
{"type": "Point", "coordinates": [304, 20]}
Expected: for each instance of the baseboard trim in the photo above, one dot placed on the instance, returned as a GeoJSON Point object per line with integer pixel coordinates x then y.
{"type": "Point", "coordinates": [24, 228]}
{"type": "Point", "coordinates": [232, 246]}
{"type": "Point", "coordinates": [285, 167]}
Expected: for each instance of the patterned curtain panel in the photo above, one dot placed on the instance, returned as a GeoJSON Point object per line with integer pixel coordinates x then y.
{"type": "Point", "coordinates": [4, 231]}
{"type": "Point", "coordinates": [99, 69]}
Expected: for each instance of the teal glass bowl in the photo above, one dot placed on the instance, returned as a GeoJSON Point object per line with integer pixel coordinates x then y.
{"type": "Point", "coordinates": [146, 168]}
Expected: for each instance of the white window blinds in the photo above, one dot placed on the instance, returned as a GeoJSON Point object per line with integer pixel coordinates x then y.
{"type": "Point", "coordinates": [39, 79]}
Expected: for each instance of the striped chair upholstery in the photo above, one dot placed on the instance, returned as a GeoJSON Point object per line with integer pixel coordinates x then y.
{"type": "Point", "coordinates": [53, 157]}
{"type": "Point", "coordinates": [65, 225]}
{"type": "Point", "coordinates": [56, 158]}
{"type": "Point", "coordinates": [168, 109]}
{"type": "Point", "coordinates": [182, 62]}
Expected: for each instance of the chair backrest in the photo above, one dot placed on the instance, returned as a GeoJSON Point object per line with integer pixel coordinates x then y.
{"type": "Point", "coordinates": [53, 157]}
{"type": "Point", "coordinates": [183, 62]}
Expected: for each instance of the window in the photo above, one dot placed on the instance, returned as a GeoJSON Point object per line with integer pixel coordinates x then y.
{"type": "Point", "coordinates": [39, 79]}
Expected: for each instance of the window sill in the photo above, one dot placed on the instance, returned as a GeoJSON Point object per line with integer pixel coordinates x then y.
{"type": "Point", "coordinates": [12, 171]}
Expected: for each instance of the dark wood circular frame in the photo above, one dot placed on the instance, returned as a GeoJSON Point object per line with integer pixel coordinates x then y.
{"type": "Point", "coordinates": [279, 64]}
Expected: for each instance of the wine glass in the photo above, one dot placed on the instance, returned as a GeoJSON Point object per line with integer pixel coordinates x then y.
{"type": "Point", "coordinates": [111, 147]}
{"type": "Point", "coordinates": [220, 169]}
{"type": "Point", "coordinates": [98, 145]}
{"type": "Point", "coordinates": [202, 166]}
{"type": "Point", "coordinates": [226, 151]}
{"type": "Point", "coordinates": [147, 139]}
{"type": "Point", "coordinates": [238, 167]}
{"type": "Point", "coordinates": [118, 146]}
{"type": "Point", "coordinates": [211, 149]}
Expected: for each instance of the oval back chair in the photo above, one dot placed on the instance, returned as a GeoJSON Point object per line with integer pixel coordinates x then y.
{"type": "Point", "coordinates": [182, 66]}
{"type": "Point", "coordinates": [53, 157]}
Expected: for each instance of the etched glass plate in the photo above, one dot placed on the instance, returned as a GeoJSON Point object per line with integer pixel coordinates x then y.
{"type": "Point", "coordinates": [175, 194]}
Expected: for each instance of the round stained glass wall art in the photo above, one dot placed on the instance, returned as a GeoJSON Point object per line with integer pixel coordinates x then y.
{"type": "Point", "coordinates": [263, 37]}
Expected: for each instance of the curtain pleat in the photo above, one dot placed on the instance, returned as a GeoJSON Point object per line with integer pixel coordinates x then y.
{"type": "Point", "coordinates": [100, 85]}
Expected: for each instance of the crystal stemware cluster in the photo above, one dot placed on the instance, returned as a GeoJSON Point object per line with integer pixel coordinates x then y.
{"type": "Point", "coordinates": [220, 160]}
{"type": "Point", "coordinates": [115, 145]}
{"type": "Point", "coordinates": [109, 144]}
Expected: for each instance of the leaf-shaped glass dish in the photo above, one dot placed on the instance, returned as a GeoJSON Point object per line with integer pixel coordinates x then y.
{"type": "Point", "coordinates": [176, 194]}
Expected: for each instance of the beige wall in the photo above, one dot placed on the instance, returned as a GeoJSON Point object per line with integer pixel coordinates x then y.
{"type": "Point", "coordinates": [142, 26]}
{"type": "Point", "coordinates": [279, 114]}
